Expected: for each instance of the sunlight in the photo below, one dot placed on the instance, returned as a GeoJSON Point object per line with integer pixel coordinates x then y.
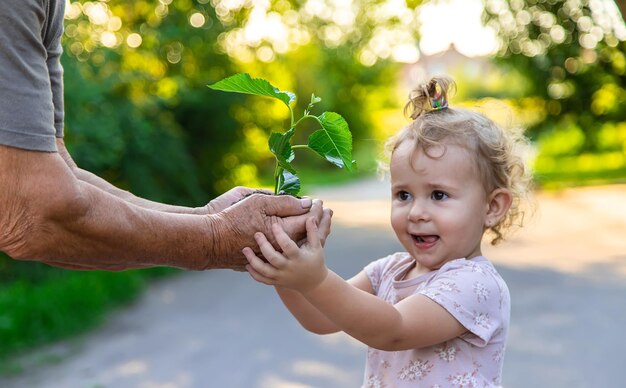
{"type": "Point", "coordinates": [264, 25]}
{"type": "Point", "coordinates": [197, 20]}
{"type": "Point", "coordinates": [405, 53]}
{"type": "Point", "coordinates": [267, 32]}
{"type": "Point", "coordinates": [108, 39]}
{"type": "Point", "coordinates": [458, 23]}
{"type": "Point", "coordinates": [443, 24]}
{"type": "Point", "coordinates": [97, 13]}
{"type": "Point", "coordinates": [134, 40]}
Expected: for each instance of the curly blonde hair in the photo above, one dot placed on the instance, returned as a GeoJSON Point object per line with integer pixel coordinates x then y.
{"type": "Point", "coordinates": [500, 154]}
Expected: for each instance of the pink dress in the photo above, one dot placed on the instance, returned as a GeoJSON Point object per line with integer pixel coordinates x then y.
{"type": "Point", "coordinates": [475, 294]}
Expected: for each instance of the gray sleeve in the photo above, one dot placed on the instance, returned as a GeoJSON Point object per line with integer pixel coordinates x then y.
{"type": "Point", "coordinates": [31, 76]}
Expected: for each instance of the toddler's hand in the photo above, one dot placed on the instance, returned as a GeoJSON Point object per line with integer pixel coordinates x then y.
{"type": "Point", "coordinates": [299, 268]}
{"type": "Point", "coordinates": [323, 228]}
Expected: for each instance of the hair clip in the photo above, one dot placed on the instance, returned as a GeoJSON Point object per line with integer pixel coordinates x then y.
{"type": "Point", "coordinates": [429, 97]}
{"type": "Point", "coordinates": [438, 101]}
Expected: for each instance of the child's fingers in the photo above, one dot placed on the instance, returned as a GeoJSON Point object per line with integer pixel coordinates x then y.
{"type": "Point", "coordinates": [284, 241]}
{"type": "Point", "coordinates": [277, 260]}
{"type": "Point", "coordinates": [250, 255]}
{"type": "Point", "coordinates": [268, 251]}
{"type": "Point", "coordinates": [312, 233]}
{"type": "Point", "coordinates": [323, 230]}
{"type": "Point", "coordinates": [264, 269]}
{"type": "Point", "coordinates": [258, 277]}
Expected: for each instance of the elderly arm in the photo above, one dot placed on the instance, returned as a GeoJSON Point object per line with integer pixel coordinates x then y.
{"type": "Point", "coordinates": [215, 206]}
{"type": "Point", "coordinates": [47, 214]}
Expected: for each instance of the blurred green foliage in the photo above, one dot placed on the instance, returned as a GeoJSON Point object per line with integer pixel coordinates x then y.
{"type": "Point", "coordinates": [572, 55]}
{"type": "Point", "coordinates": [138, 110]}
{"type": "Point", "coordinates": [39, 304]}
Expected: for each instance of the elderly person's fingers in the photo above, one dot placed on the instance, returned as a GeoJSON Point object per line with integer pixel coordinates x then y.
{"type": "Point", "coordinates": [231, 197]}
{"type": "Point", "coordinates": [295, 227]}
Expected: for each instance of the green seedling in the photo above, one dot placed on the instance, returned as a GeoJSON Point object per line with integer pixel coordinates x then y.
{"type": "Point", "coordinates": [332, 141]}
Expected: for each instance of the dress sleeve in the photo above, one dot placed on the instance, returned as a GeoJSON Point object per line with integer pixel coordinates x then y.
{"type": "Point", "coordinates": [30, 73]}
{"type": "Point", "coordinates": [474, 296]}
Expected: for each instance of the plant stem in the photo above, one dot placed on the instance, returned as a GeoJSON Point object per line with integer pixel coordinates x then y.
{"type": "Point", "coordinates": [307, 117]}
{"type": "Point", "coordinates": [304, 146]}
{"type": "Point", "coordinates": [277, 172]}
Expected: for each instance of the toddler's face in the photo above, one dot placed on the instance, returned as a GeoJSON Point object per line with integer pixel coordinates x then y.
{"type": "Point", "coordinates": [439, 205]}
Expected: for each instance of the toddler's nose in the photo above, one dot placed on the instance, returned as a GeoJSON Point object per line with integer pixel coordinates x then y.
{"type": "Point", "coordinates": [419, 212]}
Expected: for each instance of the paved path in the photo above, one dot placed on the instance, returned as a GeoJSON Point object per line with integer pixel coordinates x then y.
{"type": "Point", "coordinates": [566, 273]}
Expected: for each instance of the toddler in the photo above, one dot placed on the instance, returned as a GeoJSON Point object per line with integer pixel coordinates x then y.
{"type": "Point", "coordinates": [436, 315]}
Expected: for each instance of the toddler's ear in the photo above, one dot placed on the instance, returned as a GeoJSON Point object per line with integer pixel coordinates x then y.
{"type": "Point", "coordinates": [498, 204]}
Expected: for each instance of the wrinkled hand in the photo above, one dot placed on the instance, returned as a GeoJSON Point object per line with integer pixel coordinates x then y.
{"type": "Point", "coordinates": [234, 227]}
{"type": "Point", "coordinates": [299, 268]}
{"type": "Point", "coordinates": [231, 197]}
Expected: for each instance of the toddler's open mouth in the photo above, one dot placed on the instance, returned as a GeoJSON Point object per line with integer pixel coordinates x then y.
{"type": "Point", "coordinates": [425, 238]}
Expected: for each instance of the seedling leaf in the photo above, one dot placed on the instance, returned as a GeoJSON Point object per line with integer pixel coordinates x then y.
{"type": "Point", "coordinates": [280, 146]}
{"type": "Point", "coordinates": [289, 183]}
{"type": "Point", "coordinates": [243, 83]}
{"type": "Point", "coordinates": [333, 141]}
{"type": "Point", "coordinates": [314, 100]}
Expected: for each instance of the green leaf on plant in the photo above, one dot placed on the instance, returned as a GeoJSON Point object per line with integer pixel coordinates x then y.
{"type": "Point", "coordinates": [314, 100]}
{"type": "Point", "coordinates": [334, 141]}
{"type": "Point", "coordinates": [288, 183]}
{"type": "Point", "coordinates": [243, 83]}
{"type": "Point", "coordinates": [280, 146]}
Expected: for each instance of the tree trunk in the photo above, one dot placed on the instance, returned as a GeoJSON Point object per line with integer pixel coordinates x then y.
{"type": "Point", "coordinates": [621, 4]}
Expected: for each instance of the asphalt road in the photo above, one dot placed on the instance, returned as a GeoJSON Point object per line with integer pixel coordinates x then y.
{"type": "Point", "coordinates": [566, 272]}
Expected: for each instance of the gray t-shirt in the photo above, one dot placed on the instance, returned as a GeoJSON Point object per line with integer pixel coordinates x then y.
{"type": "Point", "coordinates": [31, 76]}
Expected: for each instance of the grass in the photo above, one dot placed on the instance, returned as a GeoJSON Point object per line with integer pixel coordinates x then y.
{"type": "Point", "coordinates": [40, 310]}
{"type": "Point", "coordinates": [556, 172]}
{"type": "Point", "coordinates": [556, 181]}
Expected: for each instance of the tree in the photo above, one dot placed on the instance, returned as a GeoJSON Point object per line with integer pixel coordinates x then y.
{"type": "Point", "coordinates": [138, 109]}
{"type": "Point", "coordinates": [573, 56]}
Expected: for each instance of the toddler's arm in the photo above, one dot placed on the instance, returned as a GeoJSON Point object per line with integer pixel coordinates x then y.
{"type": "Point", "coordinates": [415, 322]}
{"type": "Point", "coordinates": [308, 315]}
